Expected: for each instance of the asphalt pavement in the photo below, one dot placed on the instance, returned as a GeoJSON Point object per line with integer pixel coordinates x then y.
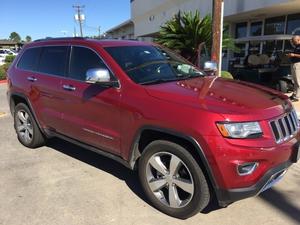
{"type": "Point", "coordinates": [64, 184]}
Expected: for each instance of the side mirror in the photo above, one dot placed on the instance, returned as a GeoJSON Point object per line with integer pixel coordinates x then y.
{"type": "Point", "coordinates": [100, 76]}
{"type": "Point", "coordinates": [211, 67]}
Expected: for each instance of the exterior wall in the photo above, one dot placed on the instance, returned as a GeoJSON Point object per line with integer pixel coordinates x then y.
{"type": "Point", "coordinates": [148, 16]}
{"type": "Point", "coordinates": [239, 6]}
{"type": "Point", "coordinates": [121, 32]}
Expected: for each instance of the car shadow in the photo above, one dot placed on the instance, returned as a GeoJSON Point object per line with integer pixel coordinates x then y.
{"type": "Point", "coordinates": [100, 162]}
{"type": "Point", "coordinates": [280, 202]}
{"type": "Point", "coordinates": [112, 167]}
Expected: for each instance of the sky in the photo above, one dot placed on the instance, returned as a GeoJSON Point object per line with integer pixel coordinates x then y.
{"type": "Point", "coordinates": [55, 18]}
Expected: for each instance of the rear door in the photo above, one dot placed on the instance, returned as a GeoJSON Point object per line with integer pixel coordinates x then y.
{"type": "Point", "coordinates": [91, 112]}
{"type": "Point", "coordinates": [46, 92]}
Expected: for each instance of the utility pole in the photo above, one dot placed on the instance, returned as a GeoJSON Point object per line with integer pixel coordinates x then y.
{"type": "Point", "coordinates": [80, 16]}
{"type": "Point", "coordinates": [99, 32]}
{"type": "Point", "coordinates": [217, 33]}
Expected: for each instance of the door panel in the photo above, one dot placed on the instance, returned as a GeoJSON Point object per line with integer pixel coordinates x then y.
{"type": "Point", "coordinates": [47, 84]}
{"type": "Point", "coordinates": [91, 112]}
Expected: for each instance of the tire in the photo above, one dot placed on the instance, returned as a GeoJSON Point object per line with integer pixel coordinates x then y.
{"type": "Point", "coordinates": [27, 130]}
{"type": "Point", "coordinates": [185, 173]}
{"type": "Point", "coordinates": [283, 86]}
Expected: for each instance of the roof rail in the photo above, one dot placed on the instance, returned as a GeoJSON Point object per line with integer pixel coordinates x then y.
{"type": "Point", "coordinates": [57, 38]}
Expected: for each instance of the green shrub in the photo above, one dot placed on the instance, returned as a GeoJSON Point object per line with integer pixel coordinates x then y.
{"type": "Point", "coordinates": [3, 70]}
{"type": "Point", "coordinates": [2, 73]}
{"type": "Point", "coordinates": [9, 58]}
{"type": "Point", "coordinates": [226, 74]}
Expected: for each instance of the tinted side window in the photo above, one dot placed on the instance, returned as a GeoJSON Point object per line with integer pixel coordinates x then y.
{"type": "Point", "coordinates": [83, 59]}
{"type": "Point", "coordinates": [53, 60]}
{"type": "Point", "coordinates": [29, 59]}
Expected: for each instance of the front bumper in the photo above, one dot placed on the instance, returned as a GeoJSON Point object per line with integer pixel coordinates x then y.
{"type": "Point", "coordinates": [271, 177]}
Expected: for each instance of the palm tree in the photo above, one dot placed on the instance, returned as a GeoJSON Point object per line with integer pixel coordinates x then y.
{"type": "Point", "coordinates": [185, 32]}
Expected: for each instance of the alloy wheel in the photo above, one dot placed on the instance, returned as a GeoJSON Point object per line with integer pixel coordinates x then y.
{"type": "Point", "coordinates": [24, 126]}
{"type": "Point", "coordinates": [170, 179]}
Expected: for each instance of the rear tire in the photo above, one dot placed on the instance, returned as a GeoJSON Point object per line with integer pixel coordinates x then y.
{"type": "Point", "coordinates": [172, 179]}
{"type": "Point", "coordinates": [28, 132]}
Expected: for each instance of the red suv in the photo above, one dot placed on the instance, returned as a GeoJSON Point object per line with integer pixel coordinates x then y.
{"type": "Point", "coordinates": [191, 137]}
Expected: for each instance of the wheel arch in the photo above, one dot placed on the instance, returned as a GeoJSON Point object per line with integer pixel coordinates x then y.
{"type": "Point", "coordinates": [16, 98]}
{"type": "Point", "coordinates": [147, 134]}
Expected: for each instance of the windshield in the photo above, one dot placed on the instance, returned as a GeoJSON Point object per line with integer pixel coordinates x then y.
{"type": "Point", "coordinates": [152, 64]}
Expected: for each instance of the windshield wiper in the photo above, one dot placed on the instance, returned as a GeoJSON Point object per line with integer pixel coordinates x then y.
{"type": "Point", "coordinates": [161, 80]}
{"type": "Point", "coordinates": [158, 81]}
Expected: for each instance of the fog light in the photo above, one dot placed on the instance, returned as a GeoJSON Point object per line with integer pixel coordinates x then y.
{"type": "Point", "coordinates": [247, 168]}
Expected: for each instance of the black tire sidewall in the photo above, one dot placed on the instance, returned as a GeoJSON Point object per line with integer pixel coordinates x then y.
{"type": "Point", "coordinates": [36, 131]}
{"type": "Point", "coordinates": [201, 194]}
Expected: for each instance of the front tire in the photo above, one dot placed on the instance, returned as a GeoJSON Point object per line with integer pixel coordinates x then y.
{"type": "Point", "coordinates": [26, 127]}
{"type": "Point", "coordinates": [172, 179]}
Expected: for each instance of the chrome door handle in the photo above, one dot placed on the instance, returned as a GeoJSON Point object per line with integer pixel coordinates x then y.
{"type": "Point", "coordinates": [32, 79]}
{"type": "Point", "coordinates": [69, 87]}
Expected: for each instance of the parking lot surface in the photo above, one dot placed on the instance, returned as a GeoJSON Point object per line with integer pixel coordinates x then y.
{"type": "Point", "coordinates": [65, 184]}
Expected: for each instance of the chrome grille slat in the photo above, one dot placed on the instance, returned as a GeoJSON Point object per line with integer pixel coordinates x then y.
{"type": "Point", "coordinates": [287, 133]}
{"type": "Point", "coordinates": [285, 127]}
{"type": "Point", "coordinates": [293, 127]}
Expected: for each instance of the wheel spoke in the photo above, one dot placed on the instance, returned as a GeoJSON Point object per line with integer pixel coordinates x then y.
{"type": "Point", "coordinates": [21, 116]}
{"type": "Point", "coordinates": [174, 165]}
{"type": "Point", "coordinates": [174, 200]}
{"type": "Point", "coordinates": [157, 164]}
{"type": "Point", "coordinates": [27, 138]}
{"type": "Point", "coordinates": [158, 184]}
{"type": "Point", "coordinates": [184, 184]}
{"type": "Point", "coordinates": [30, 130]}
{"type": "Point", "coordinates": [21, 128]}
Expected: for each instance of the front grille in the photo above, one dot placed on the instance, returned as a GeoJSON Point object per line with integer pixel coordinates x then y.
{"type": "Point", "coordinates": [285, 127]}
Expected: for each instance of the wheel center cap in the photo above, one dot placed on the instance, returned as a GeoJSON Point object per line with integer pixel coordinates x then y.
{"type": "Point", "coordinates": [169, 179]}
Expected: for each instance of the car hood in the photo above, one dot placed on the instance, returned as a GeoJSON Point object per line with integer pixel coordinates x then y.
{"type": "Point", "coordinates": [222, 96]}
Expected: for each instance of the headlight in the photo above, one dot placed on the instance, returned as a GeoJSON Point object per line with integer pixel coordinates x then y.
{"type": "Point", "coordinates": [240, 130]}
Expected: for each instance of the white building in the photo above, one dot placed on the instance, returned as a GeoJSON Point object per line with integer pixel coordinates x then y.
{"type": "Point", "coordinates": [261, 25]}
{"type": "Point", "coordinates": [124, 30]}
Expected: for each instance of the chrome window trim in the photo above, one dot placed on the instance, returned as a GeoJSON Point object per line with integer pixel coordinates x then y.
{"type": "Point", "coordinates": [66, 76]}
{"type": "Point", "coordinates": [40, 46]}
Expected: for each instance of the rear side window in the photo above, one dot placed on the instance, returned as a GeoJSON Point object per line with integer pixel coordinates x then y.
{"type": "Point", "coordinates": [53, 60]}
{"type": "Point", "coordinates": [83, 59]}
{"type": "Point", "coordinates": [29, 59]}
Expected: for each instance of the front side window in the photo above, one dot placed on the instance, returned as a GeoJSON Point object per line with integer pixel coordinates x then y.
{"type": "Point", "coordinates": [83, 59]}
{"type": "Point", "coordinates": [150, 64]}
{"type": "Point", "coordinates": [29, 59]}
{"type": "Point", "coordinates": [275, 25]}
{"type": "Point", "coordinates": [53, 60]}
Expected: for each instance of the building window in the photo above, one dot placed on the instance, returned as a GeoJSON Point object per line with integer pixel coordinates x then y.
{"type": "Point", "coordinates": [288, 47]}
{"type": "Point", "coordinates": [241, 30]}
{"type": "Point", "coordinates": [293, 24]}
{"type": "Point", "coordinates": [270, 47]}
{"type": "Point", "coordinates": [256, 29]}
{"type": "Point", "coordinates": [254, 47]}
{"type": "Point", "coordinates": [275, 25]}
{"type": "Point", "coordinates": [242, 52]}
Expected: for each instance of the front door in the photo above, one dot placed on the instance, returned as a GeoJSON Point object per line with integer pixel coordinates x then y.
{"type": "Point", "coordinates": [91, 112]}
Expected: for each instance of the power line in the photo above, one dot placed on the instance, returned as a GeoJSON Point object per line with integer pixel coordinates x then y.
{"type": "Point", "coordinates": [94, 28]}
{"type": "Point", "coordinates": [79, 9]}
